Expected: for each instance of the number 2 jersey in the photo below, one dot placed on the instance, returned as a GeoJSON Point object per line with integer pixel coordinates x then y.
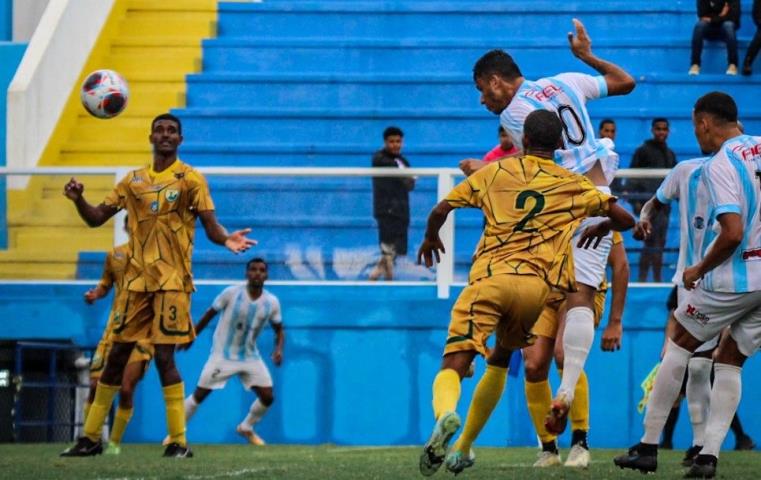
{"type": "Point", "coordinates": [567, 95]}
{"type": "Point", "coordinates": [732, 179]}
{"type": "Point", "coordinates": [532, 207]}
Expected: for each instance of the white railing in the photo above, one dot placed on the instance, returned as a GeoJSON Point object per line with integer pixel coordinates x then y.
{"type": "Point", "coordinates": [445, 182]}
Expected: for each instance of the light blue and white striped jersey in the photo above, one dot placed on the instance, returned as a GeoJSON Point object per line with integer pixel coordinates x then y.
{"type": "Point", "coordinates": [683, 183]}
{"type": "Point", "coordinates": [565, 94]}
{"type": "Point", "coordinates": [732, 179]}
{"type": "Point", "coordinates": [241, 321]}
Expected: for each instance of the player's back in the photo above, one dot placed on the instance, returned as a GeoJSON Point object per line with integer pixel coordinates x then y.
{"type": "Point", "coordinates": [565, 94]}
{"type": "Point", "coordinates": [532, 207]}
{"type": "Point", "coordinates": [732, 180]}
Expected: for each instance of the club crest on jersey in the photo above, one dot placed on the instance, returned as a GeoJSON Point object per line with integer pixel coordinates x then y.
{"type": "Point", "coordinates": [696, 315]}
{"type": "Point", "coordinates": [155, 206]}
{"type": "Point", "coordinates": [171, 195]}
{"type": "Point", "coordinates": [699, 223]}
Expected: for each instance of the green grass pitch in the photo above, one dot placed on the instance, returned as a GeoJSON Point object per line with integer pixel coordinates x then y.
{"type": "Point", "coordinates": [325, 462]}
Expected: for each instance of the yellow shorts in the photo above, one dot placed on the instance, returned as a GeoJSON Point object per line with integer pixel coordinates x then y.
{"type": "Point", "coordinates": [547, 325]}
{"type": "Point", "coordinates": [162, 317]}
{"type": "Point", "coordinates": [143, 352]}
{"type": "Point", "coordinates": [507, 304]}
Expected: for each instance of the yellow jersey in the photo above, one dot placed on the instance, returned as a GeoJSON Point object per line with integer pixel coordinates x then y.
{"type": "Point", "coordinates": [162, 210]}
{"type": "Point", "coordinates": [532, 208]}
{"type": "Point", "coordinates": [113, 276]}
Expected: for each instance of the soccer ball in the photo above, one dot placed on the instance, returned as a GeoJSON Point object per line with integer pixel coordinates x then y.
{"type": "Point", "coordinates": [104, 94]}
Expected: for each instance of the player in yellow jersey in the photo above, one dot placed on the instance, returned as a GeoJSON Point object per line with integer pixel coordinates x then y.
{"type": "Point", "coordinates": [163, 202]}
{"type": "Point", "coordinates": [538, 358]}
{"type": "Point", "coordinates": [113, 276]}
{"type": "Point", "coordinates": [532, 207]}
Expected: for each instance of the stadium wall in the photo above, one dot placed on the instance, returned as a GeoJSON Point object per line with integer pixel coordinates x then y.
{"type": "Point", "coordinates": [358, 367]}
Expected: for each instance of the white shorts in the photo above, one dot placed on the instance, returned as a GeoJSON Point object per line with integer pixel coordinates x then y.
{"type": "Point", "coordinates": [705, 314]}
{"type": "Point", "coordinates": [681, 293]}
{"type": "Point", "coordinates": [217, 371]}
{"type": "Point", "coordinates": [589, 263]}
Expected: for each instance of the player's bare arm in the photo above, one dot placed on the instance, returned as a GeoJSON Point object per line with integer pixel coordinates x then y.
{"type": "Point", "coordinates": [724, 246]}
{"type": "Point", "coordinates": [470, 165]}
{"type": "Point", "coordinates": [611, 336]}
{"type": "Point", "coordinates": [94, 216]}
{"type": "Point", "coordinates": [96, 293]}
{"type": "Point", "coordinates": [432, 245]}
{"type": "Point", "coordinates": [619, 82]}
{"type": "Point", "coordinates": [202, 323]}
{"type": "Point", "coordinates": [236, 242]}
{"type": "Point", "coordinates": [618, 219]}
{"type": "Point", "coordinates": [644, 227]}
{"type": "Point", "coordinates": [277, 354]}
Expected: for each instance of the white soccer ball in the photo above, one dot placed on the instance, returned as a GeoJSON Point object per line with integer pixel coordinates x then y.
{"type": "Point", "coordinates": [104, 94]}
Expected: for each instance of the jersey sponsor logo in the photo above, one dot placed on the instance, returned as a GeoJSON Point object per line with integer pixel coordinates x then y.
{"type": "Point", "coordinates": [748, 153]}
{"type": "Point", "coordinates": [545, 93]}
{"type": "Point", "coordinates": [699, 223]}
{"type": "Point", "coordinates": [752, 255]}
{"type": "Point", "coordinates": [692, 312]}
{"type": "Point", "coordinates": [171, 195]}
{"type": "Point", "coordinates": [136, 179]}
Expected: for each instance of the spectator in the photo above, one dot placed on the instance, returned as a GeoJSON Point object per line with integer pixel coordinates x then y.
{"type": "Point", "coordinates": [717, 20]}
{"type": "Point", "coordinates": [391, 203]}
{"type": "Point", "coordinates": [607, 129]}
{"type": "Point", "coordinates": [755, 44]}
{"type": "Point", "coordinates": [654, 153]}
{"type": "Point", "coordinates": [503, 150]}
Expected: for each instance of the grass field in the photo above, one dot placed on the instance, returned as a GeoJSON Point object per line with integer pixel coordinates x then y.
{"type": "Point", "coordinates": [41, 462]}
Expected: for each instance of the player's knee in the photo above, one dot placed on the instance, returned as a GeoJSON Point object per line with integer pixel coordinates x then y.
{"type": "Point", "coordinates": [267, 398]}
{"type": "Point", "coordinates": [535, 370]}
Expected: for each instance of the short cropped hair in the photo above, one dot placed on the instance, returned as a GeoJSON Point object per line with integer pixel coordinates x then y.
{"type": "Point", "coordinates": [167, 116]}
{"type": "Point", "coordinates": [543, 129]}
{"type": "Point", "coordinates": [392, 131]}
{"type": "Point", "coordinates": [659, 120]}
{"type": "Point", "coordinates": [256, 260]}
{"type": "Point", "coordinates": [501, 129]}
{"type": "Point", "coordinates": [496, 62]}
{"type": "Point", "coordinates": [719, 105]}
{"type": "Point", "coordinates": [605, 121]}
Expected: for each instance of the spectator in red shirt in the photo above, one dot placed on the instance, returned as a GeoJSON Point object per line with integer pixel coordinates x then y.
{"type": "Point", "coordinates": [504, 149]}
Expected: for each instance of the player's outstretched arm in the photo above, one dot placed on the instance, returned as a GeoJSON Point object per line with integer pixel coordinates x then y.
{"type": "Point", "coordinates": [236, 242]}
{"type": "Point", "coordinates": [618, 219]}
{"type": "Point", "coordinates": [619, 82]}
{"type": "Point", "coordinates": [94, 216]}
{"type": "Point", "coordinates": [724, 246]}
{"type": "Point", "coordinates": [611, 337]}
{"type": "Point", "coordinates": [277, 354]}
{"type": "Point", "coordinates": [432, 244]}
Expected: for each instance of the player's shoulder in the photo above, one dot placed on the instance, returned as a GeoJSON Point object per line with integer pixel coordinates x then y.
{"type": "Point", "coordinates": [120, 251]}
{"type": "Point", "coordinates": [188, 173]}
{"type": "Point", "coordinates": [688, 166]}
{"type": "Point", "coordinates": [270, 297]}
{"type": "Point", "coordinates": [135, 176]}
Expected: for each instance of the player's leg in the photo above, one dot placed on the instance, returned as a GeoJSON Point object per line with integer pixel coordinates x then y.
{"type": "Point", "coordinates": [97, 364]}
{"type": "Point", "coordinates": [742, 439]}
{"type": "Point", "coordinates": [256, 377]}
{"type": "Point", "coordinates": [698, 393]}
{"type": "Point", "coordinates": [537, 359]}
{"type": "Point", "coordinates": [133, 373]}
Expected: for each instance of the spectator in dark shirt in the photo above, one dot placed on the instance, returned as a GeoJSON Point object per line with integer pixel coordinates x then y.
{"type": "Point", "coordinates": [755, 44]}
{"type": "Point", "coordinates": [654, 153]}
{"type": "Point", "coordinates": [717, 20]}
{"type": "Point", "coordinates": [391, 203]}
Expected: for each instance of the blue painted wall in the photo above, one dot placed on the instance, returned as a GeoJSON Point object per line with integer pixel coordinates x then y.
{"type": "Point", "coordinates": [10, 57]}
{"type": "Point", "coordinates": [358, 367]}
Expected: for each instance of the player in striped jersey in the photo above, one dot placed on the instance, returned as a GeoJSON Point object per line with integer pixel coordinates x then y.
{"type": "Point", "coordinates": [505, 92]}
{"type": "Point", "coordinates": [729, 294]}
{"type": "Point", "coordinates": [245, 311]}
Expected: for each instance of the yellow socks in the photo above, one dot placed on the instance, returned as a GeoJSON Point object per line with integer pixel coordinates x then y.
{"type": "Point", "coordinates": [538, 398]}
{"type": "Point", "coordinates": [87, 409]}
{"type": "Point", "coordinates": [121, 419]}
{"type": "Point", "coordinates": [485, 398]}
{"type": "Point", "coordinates": [446, 392]}
{"type": "Point", "coordinates": [579, 413]}
{"type": "Point", "coordinates": [174, 398]}
{"type": "Point", "coordinates": [96, 416]}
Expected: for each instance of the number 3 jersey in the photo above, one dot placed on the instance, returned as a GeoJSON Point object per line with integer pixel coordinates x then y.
{"type": "Point", "coordinates": [532, 207]}
{"type": "Point", "coordinates": [732, 179]}
{"type": "Point", "coordinates": [567, 95]}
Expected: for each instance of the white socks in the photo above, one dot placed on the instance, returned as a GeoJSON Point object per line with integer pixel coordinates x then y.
{"type": "Point", "coordinates": [698, 396]}
{"type": "Point", "coordinates": [668, 382]}
{"type": "Point", "coordinates": [190, 406]}
{"type": "Point", "coordinates": [725, 396]}
{"type": "Point", "coordinates": [257, 411]}
{"type": "Point", "coordinates": [577, 340]}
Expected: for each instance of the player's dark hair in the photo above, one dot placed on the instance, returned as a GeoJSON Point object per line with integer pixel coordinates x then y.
{"type": "Point", "coordinates": [501, 129]}
{"type": "Point", "coordinates": [256, 260]}
{"type": "Point", "coordinates": [606, 121]}
{"type": "Point", "coordinates": [168, 116]}
{"type": "Point", "coordinates": [719, 105]}
{"type": "Point", "coordinates": [543, 129]}
{"type": "Point", "coordinates": [392, 131]}
{"type": "Point", "coordinates": [659, 120]}
{"type": "Point", "coordinates": [496, 62]}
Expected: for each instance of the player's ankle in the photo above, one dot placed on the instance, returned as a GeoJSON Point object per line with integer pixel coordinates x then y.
{"type": "Point", "coordinates": [579, 437]}
{"type": "Point", "coordinates": [550, 446]}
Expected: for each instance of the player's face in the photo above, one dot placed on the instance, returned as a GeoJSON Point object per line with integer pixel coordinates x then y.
{"type": "Point", "coordinates": [700, 122]}
{"type": "Point", "coordinates": [393, 144]}
{"type": "Point", "coordinates": [608, 130]}
{"type": "Point", "coordinates": [660, 132]}
{"type": "Point", "coordinates": [256, 274]}
{"type": "Point", "coordinates": [165, 137]}
{"type": "Point", "coordinates": [494, 94]}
